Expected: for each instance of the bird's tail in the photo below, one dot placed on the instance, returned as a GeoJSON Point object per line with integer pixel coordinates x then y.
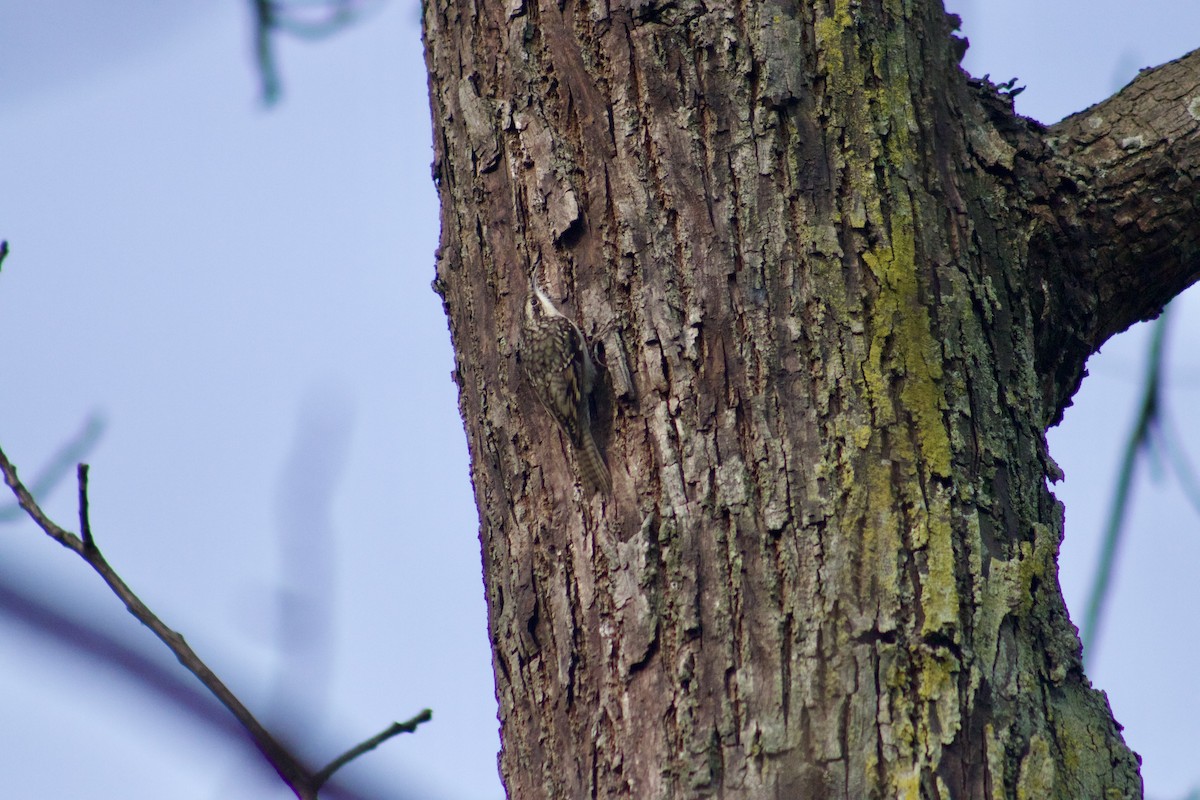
{"type": "Point", "coordinates": [591, 465]}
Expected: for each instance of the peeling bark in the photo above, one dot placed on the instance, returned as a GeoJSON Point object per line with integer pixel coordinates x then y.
{"type": "Point", "coordinates": [842, 291]}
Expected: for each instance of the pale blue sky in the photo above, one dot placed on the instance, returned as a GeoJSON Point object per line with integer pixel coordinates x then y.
{"type": "Point", "coordinates": [213, 277]}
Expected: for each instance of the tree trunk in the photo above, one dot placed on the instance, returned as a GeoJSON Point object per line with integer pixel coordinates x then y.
{"type": "Point", "coordinates": [841, 291]}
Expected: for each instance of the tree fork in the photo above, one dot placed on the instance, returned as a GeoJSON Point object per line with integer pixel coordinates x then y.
{"type": "Point", "coordinates": [855, 290]}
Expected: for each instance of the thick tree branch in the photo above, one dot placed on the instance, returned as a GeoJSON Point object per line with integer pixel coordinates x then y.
{"type": "Point", "coordinates": [1133, 163]}
{"type": "Point", "coordinates": [1110, 194]}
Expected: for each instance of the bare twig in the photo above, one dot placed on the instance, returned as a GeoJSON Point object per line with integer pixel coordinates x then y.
{"type": "Point", "coordinates": [370, 744]}
{"type": "Point", "coordinates": [48, 478]}
{"type": "Point", "coordinates": [65, 627]}
{"type": "Point", "coordinates": [303, 783]}
{"type": "Point", "coordinates": [85, 524]}
{"type": "Point", "coordinates": [292, 773]}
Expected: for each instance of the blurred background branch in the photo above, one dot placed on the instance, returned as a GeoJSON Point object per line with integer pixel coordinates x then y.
{"type": "Point", "coordinates": [1152, 434]}
{"type": "Point", "coordinates": [303, 19]}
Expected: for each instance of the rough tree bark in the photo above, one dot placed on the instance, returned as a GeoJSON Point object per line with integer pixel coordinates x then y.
{"type": "Point", "coordinates": [852, 290]}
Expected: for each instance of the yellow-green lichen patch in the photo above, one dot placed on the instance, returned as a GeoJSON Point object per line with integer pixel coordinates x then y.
{"type": "Point", "coordinates": [908, 784]}
{"type": "Point", "coordinates": [902, 345]}
{"type": "Point", "coordinates": [1036, 779]}
{"type": "Point", "coordinates": [937, 684]}
{"type": "Point", "coordinates": [939, 588]}
{"type": "Point", "coordinates": [902, 349]}
{"type": "Point", "coordinates": [829, 32]}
